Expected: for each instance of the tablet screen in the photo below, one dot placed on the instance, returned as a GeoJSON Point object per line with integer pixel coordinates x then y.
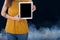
{"type": "Point", "coordinates": [25, 10]}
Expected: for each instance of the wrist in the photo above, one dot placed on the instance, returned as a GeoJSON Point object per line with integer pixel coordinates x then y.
{"type": "Point", "coordinates": [8, 17]}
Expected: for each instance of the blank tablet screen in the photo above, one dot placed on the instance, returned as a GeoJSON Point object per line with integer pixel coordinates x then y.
{"type": "Point", "coordinates": [25, 10]}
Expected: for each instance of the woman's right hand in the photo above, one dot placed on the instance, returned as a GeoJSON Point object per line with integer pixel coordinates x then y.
{"type": "Point", "coordinates": [17, 18]}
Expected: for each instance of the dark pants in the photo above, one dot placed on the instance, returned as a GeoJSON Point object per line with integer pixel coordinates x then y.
{"type": "Point", "coordinates": [17, 36]}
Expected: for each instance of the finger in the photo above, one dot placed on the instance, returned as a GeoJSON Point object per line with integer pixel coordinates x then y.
{"type": "Point", "coordinates": [34, 8]}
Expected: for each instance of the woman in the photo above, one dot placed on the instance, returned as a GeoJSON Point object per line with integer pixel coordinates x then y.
{"type": "Point", "coordinates": [16, 28]}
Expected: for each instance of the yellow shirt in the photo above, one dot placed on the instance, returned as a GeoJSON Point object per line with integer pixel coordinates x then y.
{"type": "Point", "coordinates": [16, 27]}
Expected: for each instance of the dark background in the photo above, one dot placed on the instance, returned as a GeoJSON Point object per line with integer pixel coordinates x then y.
{"type": "Point", "coordinates": [46, 15]}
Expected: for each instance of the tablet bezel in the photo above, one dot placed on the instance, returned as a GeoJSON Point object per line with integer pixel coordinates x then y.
{"type": "Point", "coordinates": [20, 11]}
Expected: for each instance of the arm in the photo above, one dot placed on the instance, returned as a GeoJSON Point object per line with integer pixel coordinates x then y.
{"type": "Point", "coordinates": [4, 14]}
{"type": "Point", "coordinates": [4, 8]}
{"type": "Point", "coordinates": [33, 7]}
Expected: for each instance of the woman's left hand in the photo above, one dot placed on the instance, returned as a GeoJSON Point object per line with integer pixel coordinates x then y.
{"type": "Point", "coordinates": [33, 8]}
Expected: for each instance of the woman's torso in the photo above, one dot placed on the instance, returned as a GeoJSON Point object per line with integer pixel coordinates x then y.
{"type": "Point", "coordinates": [16, 27]}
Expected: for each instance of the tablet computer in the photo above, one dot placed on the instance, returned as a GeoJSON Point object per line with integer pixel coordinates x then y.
{"type": "Point", "coordinates": [25, 10]}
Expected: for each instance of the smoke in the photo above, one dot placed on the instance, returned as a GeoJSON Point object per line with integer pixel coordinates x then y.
{"type": "Point", "coordinates": [41, 34]}
{"type": "Point", "coordinates": [44, 33]}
